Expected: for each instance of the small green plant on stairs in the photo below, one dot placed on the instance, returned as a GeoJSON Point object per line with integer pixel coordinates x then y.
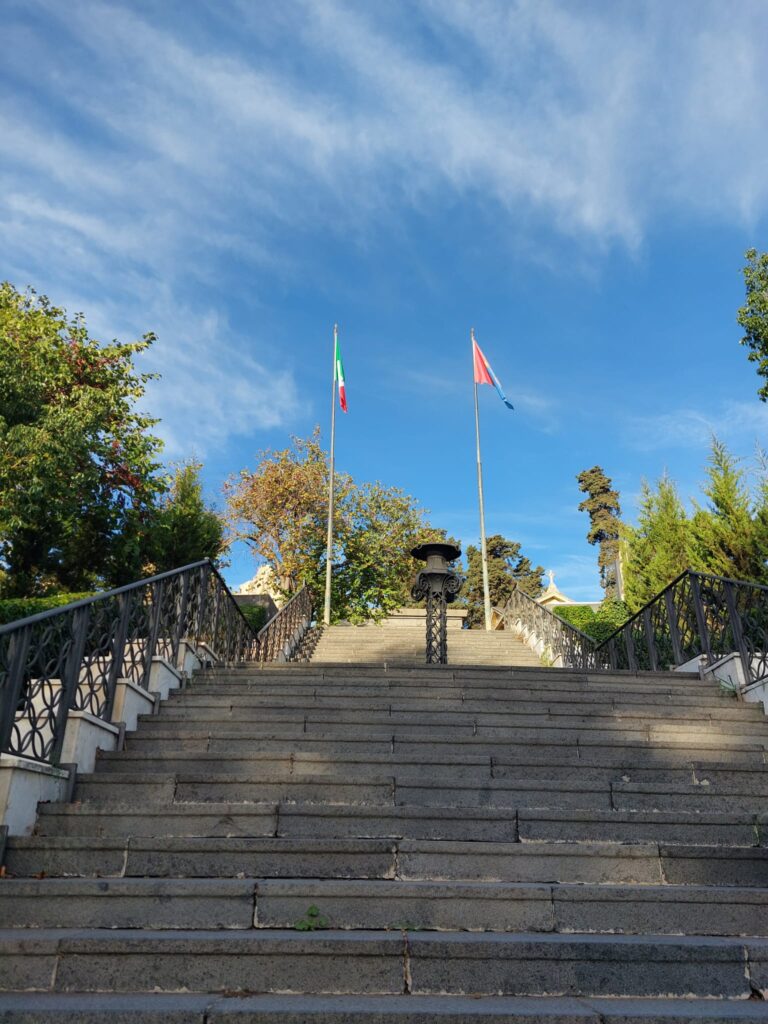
{"type": "Point", "coordinates": [313, 921]}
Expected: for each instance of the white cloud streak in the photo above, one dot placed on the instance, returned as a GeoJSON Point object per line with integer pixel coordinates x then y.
{"type": "Point", "coordinates": [135, 153]}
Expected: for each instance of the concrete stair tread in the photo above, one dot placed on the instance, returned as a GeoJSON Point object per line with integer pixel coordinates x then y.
{"type": "Point", "coordinates": [380, 962]}
{"type": "Point", "coordinates": [192, 1008]}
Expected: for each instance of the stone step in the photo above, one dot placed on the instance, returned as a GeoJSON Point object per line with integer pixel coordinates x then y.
{"type": "Point", "coordinates": [706, 737]}
{"type": "Point", "coordinates": [235, 758]}
{"type": "Point", "coordinates": [179, 734]}
{"type": "Point", "coordinates": [234, 737]}
{"type": "Point", "coordinates": [187, 1008]}
{"type": "Point", "coordinates": [684, 827]}
{"type": "Point", "coordinates": [461, 720]}
{"type": "Point", "coordinates": [414, 859]}
{"type": "Point", "coordinates": [462, 906]}
{"type": "Point", "coordinates": [307, 857]}
{"type": "Point", "coordinates": [109, 787]}
{"type": "Point", "coordinates": [190, 1008]}
{"type": "Point", "coordinates": [488, 699]}
{"type": "Point", "coordinates": [748, 715]}
{"type": "Point", "coordinates": [535, 673]}
{"type": "Point", "coordinates": [286, 820]}
{"type": "Point", "coordinates": [380, 963]}
{"type": "Point", "coordinates": [169, 903]}
{"type": "Point", "coordinates": [488, 678]}
{"type": "Point", "coordinates": [329, 821]}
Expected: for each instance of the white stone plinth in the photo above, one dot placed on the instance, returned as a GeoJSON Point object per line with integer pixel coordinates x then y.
{"type": "Point", "coordinates": [130, 702]}
{"type": "Point", "coordinates": [83, 736]}
{"type": "Point", "coordinates": [164, 677]}
{"type": "Point", "coordinates": [25, 783]}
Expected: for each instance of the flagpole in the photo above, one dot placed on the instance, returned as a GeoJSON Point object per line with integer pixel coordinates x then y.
{"type": "Point", "coordinates": [483, 547]}
{"type": "Point", "coordinates": [329, 549]}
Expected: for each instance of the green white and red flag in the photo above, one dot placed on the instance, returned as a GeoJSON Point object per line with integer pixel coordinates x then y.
{"type": "Point", "coordinates": [338, 372]}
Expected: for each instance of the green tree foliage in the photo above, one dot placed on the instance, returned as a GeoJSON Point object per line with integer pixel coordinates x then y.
{"type": "Point", "coordinates": [596, 624]}
{"type": "Point", "coordinates": [280, 510]}
{"type": "Point", "coordinates": [658, 548]}
{"type": "Point", "coordinates": [727, 535]}
{"type": "Point", "coordinates": [753, 315]}
{"type": "Point", "coordinates": [78, 470]}
{"type": "Point", "coordinates": [507, 568]}
{"type": "Point", "coordinates": [184, 528]}
{"type": "Point", "coordinates": [602, 506]}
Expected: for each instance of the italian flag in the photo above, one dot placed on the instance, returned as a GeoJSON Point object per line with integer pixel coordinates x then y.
{"type": "Point", "coordinates": [338, 372]}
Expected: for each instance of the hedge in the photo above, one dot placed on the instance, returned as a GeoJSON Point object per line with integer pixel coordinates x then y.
{"type": "Point", "coordinates": [598, 624]}
{"type": "Point", "coordinates": [255, 614]}
{"type": "Point", "coordinates": [14, 608]}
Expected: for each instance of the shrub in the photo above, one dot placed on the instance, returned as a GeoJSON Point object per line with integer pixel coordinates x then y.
{"type": "Point", "coordinates": [14, 608]}
{"type": "Point", "coordinates": [255, 614]}
{"type": "Point", "coordinates": [596, 624]}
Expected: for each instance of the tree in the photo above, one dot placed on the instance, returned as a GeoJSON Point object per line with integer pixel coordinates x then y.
{"type": "Point", "coordinates": [602, 506]}
{"type": "Point", "coordinates": [78, 470]}
{"type": "Point", "coordinates": [185, 529]}
{"type": "Point", "coordinates": [727, 535]}
{"type": "Point", "coordinates": [280, 510]}
{"type": "Point", "coordinates": [508, 568]}
{"type": "Point", "coordinates": [658, 548]}
{"type": "Point", "coordinates": [753, 315]}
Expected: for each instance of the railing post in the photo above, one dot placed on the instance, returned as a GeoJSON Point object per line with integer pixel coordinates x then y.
{"type": "Point", "coordinates": [629, 645]}
{"type": "Point", "coordinates": [738, 633]}
{"type": "Point", "coordinates": [118, 654]}
{"type": "Point", "coordinates": [182, 616]}
{"type": "Point", "coordinates": [650, 640]}
{"type": "Point", "coordinates": [205, 575]}
{"type": "Point", "coordinates": [701, 621]}
{"type": "Point", "coordinates": [18, 648]}
{"type": "Point", "coordinates": [674, 629]}
{"type": "Point", "coordinates": [154, 630]}
{"type": "Point", "coordinates": [70, 677]}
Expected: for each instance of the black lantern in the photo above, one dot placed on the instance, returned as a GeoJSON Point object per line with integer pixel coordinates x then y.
{"type": "Point", "coordinates": [438, 584]}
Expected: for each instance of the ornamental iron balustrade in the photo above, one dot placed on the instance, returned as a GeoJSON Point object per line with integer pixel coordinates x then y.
{"type": "Point", "coordinates": [71, 658]}
{"type": "Point", "coordinates": [548, 634]}
{"type": "Point", "coordinates": [697, 615]}
{"type": "Point", "coordinates": [280, 638]}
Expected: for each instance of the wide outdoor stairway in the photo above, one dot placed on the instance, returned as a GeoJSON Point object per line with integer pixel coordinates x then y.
{"type": "Point", "coordinates": [333, 845]}
{"type": "Point", "coordinates": [400, 640]}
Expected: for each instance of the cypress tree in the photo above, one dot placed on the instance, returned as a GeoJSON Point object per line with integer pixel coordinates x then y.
{"type": "Point", "coordinates": [602, 506]}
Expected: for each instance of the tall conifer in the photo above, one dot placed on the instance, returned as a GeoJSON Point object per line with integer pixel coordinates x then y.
{"type": "Point", "coordinates": [602, 506]}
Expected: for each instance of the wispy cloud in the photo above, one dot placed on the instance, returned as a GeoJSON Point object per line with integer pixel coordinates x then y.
{"type": "Point", "coordinates": [742, 422]}
{"type": "Point", "coordinates": [140, 150]}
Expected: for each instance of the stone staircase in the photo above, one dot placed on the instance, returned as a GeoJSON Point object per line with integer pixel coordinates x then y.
{"type": "Point", "coordinates": [358, 844]}
{"type": "Point", "coordinates": [400, 640]}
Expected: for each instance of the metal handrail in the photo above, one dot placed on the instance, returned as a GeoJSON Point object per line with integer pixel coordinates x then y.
{"type": "Point", "coordinates": [81, 602]}
{"type": "Point", "coordinates": [71, 658]}
{"type": "Point", "coordinates": [551, 636]}
{"type": "Point", "coordinates": [281, 636]}
{"type": "Point", "coordinates": [696, 615]}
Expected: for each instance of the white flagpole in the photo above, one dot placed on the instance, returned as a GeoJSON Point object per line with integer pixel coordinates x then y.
{"type": "Point", "coordinates": [329, 550]}
{"type": "Point", "coordinates": [483, 547]}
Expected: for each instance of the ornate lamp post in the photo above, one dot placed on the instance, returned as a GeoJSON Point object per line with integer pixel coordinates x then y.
{"type": "Point", "coordinates": [437, 585]}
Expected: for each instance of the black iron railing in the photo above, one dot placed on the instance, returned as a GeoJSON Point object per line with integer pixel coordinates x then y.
{"type": "Point", "coordinates": [71, 658]}
{"type": "Point", "coordinates": [554, 639]}
{"type": "Point", "coordinates": [696, 615]}
{"type": "Point", "coordinates": [280, 638]}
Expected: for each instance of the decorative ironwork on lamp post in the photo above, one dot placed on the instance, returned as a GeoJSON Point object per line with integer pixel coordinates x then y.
{"type": "Point", "coordinates": [438, 585]}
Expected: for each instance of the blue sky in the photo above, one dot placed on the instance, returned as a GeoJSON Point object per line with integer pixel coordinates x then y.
{"type": "Point", "coordinates": [578, 181]}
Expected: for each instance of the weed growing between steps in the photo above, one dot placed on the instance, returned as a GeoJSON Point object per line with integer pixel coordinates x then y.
{"type": "Point", "coordinates": [313, 921]}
